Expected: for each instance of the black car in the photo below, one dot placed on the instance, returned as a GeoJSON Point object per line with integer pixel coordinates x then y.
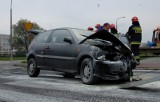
{"type": "Point", "coordinates": [76, 51]}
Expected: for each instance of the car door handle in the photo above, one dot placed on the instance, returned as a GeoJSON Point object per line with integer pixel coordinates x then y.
{"type": "Point", "coordinates": [47, 47]}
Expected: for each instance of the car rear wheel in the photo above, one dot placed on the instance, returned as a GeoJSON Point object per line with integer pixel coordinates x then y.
{"type": "Point", "coordinates": [32, 69]}
{"type": "Point", "coordinates": [86, 72]}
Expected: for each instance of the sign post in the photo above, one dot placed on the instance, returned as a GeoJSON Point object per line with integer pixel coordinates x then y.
{"type": "Point", "coordinates": [28, 26]}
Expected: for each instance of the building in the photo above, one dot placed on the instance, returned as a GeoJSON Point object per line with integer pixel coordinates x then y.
{"type": "Point", "coordinates": [4, 45]}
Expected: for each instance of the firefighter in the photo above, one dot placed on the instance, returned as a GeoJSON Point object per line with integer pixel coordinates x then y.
{"type": "Point", "coordinates": [157, 34]}
{"type": "Point", "coordinates": [106, 26]}
{"type": "Point", "coordinates": [113, 30]}
{"type": "Point", "coordinates": [158, 30]}
{"type": "Point", "coordinates": [90, 29]}
{"type": "Point", "coordinates": [154, 36]}
{"type": "Point", "coordinates": [134, 36]}
{"type": "Point", "coordinates": [97, 26]}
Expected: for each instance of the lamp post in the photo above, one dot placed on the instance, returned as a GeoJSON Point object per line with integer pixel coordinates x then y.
{"type": "Point", "coordinates": [117, 22]}
{"type": "Point", "coordinates": [11, 54]}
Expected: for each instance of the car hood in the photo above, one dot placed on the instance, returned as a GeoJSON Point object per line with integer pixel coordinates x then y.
{"type": "Point", "coordinates": [104, 35]}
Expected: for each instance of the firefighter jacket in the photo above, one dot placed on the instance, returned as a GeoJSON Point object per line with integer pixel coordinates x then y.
{"type": "Point", "coordinates": [134, 34]}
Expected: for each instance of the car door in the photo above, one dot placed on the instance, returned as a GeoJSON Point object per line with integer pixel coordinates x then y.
{"type": "Point", "coordinates": [61, 54]}
{"type": "Point", "coordinates": [39, 47]}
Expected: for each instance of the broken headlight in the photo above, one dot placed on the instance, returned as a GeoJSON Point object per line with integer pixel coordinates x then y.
{"type": "Point", "coordinates": [101, 55]}
{"type": "Point", "coordinates": [110, 55]}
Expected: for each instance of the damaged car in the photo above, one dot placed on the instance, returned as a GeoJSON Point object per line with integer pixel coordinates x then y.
{"type": "Point", "coordinates": [80, 52]}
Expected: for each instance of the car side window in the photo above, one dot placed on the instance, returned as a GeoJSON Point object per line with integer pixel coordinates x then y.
{"type": "Point", "coordinates": [59, 35]}
{"type": "Point", "coordinates": [43, 37]}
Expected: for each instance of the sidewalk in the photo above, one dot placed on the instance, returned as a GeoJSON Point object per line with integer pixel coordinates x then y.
{"type": "Point", "coordinates": [152, 63]}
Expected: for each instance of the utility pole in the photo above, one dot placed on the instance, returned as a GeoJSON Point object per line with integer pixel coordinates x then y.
{"type": "Point", "coordinates": [11, 53]}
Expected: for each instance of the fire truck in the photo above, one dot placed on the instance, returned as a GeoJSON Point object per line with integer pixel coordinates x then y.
{"type": "Point", "coordinates": [156, 37]}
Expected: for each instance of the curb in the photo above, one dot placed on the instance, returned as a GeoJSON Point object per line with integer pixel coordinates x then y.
{"type": "Point", "coordinates": [146, 68]}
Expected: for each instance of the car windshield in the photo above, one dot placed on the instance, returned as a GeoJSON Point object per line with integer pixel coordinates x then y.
{"type": "Point", "coordinates": [82, 34]}
{"type": "Point", "coordinates": [97, 41]}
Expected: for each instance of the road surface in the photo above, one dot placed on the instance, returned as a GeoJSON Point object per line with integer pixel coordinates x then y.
{"type": "Point", "coordinates": [17, 86]}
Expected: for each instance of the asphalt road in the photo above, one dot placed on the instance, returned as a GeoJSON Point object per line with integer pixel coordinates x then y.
{"type": "Point", "coordinates": [17, 86]}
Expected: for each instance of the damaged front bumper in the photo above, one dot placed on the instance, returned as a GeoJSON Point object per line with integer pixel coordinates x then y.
{"type": "Point", "coordinates": [112, 70]}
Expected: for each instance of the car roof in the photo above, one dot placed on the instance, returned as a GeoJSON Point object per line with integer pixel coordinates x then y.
{"type": "Point", "coordinates": [67, 28]}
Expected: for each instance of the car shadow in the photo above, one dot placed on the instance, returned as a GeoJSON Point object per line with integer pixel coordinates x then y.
{"type": "Point", "coordinates": [110, 82]}
{"type": "Point", "coordinates": [60, 77]}
{"type": "Point", "coordinates": [144, 89]}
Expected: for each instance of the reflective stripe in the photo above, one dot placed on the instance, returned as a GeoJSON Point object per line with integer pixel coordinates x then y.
{"type": "Point", "coordinates": [136, 42]}
{"type": "Point", "coordinates": [137, 30]}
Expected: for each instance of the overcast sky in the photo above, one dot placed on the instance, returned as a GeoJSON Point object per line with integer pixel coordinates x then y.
{"type": "Point", "coordinates": [51, 14]}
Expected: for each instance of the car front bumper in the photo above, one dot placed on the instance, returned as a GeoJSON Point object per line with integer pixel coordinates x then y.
{"type": "Point", "coordinates": [111, 70]}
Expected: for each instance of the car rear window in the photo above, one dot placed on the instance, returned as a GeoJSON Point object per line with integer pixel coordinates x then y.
{"type": "Point", "coordinates": [43, 37]}
{"type": "Point", "coordinates": [82, 34]}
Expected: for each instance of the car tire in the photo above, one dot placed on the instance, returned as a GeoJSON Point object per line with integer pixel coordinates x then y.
{"type": "Point", "coordinates": [32, 69]}
{"type": "Point", "coordinates": [127, 77]}
{"type": "Point", "coordinates": [86, 72]}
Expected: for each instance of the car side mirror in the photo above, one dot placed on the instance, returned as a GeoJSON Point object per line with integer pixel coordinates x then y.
{"type": "Point", "coordinates": [68, 40]}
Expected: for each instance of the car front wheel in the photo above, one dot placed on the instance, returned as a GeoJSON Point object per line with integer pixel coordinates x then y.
{"type": "Point", "coordinates": [86, 72]}
{"type": "Point", "coordinates": [32, 69]}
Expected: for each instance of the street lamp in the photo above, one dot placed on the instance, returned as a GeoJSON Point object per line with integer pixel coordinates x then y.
{"type": "Point", "coordinates": [117, 22]}
{"type": "Point", "coordinates": [11, 54]}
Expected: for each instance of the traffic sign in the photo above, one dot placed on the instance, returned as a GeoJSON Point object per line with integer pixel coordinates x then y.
{"type": "Point", "coordinates": [28, 26]}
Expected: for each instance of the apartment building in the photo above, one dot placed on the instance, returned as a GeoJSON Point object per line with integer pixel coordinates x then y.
{"type": "Point", "coordinates": [4, 45]}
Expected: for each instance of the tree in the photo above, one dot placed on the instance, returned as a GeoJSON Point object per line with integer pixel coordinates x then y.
{"type": "Point", "coordinates": [20, 35]}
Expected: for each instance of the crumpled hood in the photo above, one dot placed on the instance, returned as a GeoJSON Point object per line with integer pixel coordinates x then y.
{"type": "Point", "coordinates": [104, 35]}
